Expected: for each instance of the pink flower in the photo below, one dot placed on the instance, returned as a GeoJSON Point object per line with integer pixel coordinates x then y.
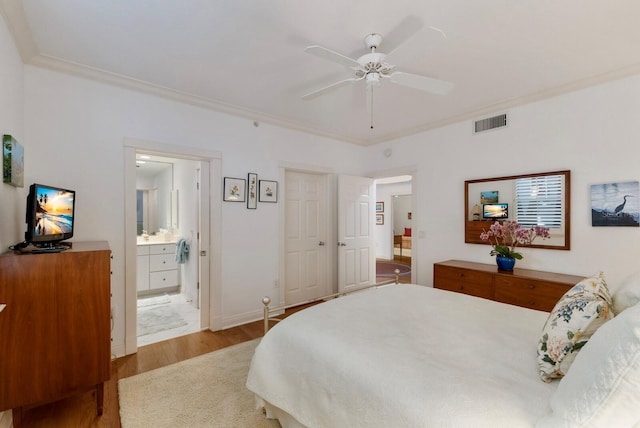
{"type": "Point", "coordinates": [508, 234]}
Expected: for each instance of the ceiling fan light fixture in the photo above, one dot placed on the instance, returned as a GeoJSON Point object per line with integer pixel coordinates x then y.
{"type": "Point", "coordinates": [373, 78]}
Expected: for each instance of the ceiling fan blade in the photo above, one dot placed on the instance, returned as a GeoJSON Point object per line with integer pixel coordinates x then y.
{"type": "Point", "coordinates": [408, 28]}
{"type": "Point", "coordinates": [331, 87]}
{"type": "Point", "coordinates": [422, 83]}
{"type": "Point", "coordinates": [330, 55]}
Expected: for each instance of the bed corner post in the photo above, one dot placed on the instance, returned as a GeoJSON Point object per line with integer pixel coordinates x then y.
{"type": "Point", "coordinates": [397, 272]}
{"type": "Point", "coordinates": [265, 301]}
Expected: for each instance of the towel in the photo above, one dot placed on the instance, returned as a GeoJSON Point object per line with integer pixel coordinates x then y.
{"type": "Point", "coordinates": [182, 251]}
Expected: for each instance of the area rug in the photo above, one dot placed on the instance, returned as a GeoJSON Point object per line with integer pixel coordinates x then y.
{"type": "Point", "coordinates": [205, 391]}
{"type": "Point", "coordinates": [158, 318]}
{"type": "Point", "coordinates": [386, 269]}
{"type": "Point", "coordinates": [153, 301]}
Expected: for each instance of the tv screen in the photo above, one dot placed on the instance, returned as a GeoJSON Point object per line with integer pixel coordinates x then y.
{"type": "Point", "coordinates": [494, 211]}
{"type": "Point", "coordinates": [50, 212]}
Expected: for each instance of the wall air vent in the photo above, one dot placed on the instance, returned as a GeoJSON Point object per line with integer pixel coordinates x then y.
{"type": "Point", "coordinates": [490, 123]}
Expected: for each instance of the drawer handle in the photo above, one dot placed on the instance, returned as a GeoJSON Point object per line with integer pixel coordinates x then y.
{"type": "Point", "coordinates": [531, 286]}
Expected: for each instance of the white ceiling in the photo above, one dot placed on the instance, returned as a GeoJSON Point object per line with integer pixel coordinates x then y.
{"type": "Point", "coordinates": [247, 57]}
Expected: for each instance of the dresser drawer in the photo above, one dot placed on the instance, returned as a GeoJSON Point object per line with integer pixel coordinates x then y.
{"type": "Point", "coordinates": [162, 262]}
{"type": "Point", "coordinates": [461, 274]}
{"type": "Point", "coordinates": [528, 293]}
{"type": "Point", "coordinates": [162, 279]}
{"type": "Point", "coordinates": [467, 281]}
{"type": "Point", "coordinates": [470, 288]}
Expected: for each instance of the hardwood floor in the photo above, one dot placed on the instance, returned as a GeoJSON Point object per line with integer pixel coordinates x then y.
{"type": "Point", "coordinates": [80, 410]}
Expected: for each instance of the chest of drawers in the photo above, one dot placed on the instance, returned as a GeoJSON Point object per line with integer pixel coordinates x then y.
{"type": "Point", "coordinates": [523, 287]}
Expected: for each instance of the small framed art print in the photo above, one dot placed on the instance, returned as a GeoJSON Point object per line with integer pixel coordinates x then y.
{"type": "Point", "coordinates": [234, 189]}
{"type": "Point", "coordinates": [268, 191]}
{"type": "Point", "coordinates": [252, 191]}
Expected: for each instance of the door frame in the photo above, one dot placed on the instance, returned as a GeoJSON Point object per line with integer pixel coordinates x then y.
{"type": "Point", "coordinates": [331, 274]}
{"type": "Point", "coordinates": [211, 292]}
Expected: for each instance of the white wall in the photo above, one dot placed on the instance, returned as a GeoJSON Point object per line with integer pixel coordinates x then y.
{"type": "Point", "coordinates": [592, 132]}
{"type": "Point", "coordinates": [75, 130]}
{"type": "Point", "coordinates": [12, 224]}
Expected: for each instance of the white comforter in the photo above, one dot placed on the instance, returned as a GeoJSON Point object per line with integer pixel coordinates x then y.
{"type": "Point", "coordinates": [404, 356]}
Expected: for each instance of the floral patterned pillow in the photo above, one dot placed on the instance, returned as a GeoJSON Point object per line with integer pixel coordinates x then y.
{"type": "Point", "coordinates": [573, 320]}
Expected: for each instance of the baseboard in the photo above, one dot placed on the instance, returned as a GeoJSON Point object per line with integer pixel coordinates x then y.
{"type": "Point", "coordinates": [6, 419]}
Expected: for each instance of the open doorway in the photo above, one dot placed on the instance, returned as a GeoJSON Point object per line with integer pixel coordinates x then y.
{"type": "Point", "coordinates": [394, 236]}
{"type": "Point", "coordinates": [208, 231]}
{"type": "Point", "coordinates": [168, 301]}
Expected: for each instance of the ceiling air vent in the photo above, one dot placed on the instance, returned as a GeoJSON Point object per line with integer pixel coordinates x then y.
{"type": "Point", "coordinates": [490, 123]}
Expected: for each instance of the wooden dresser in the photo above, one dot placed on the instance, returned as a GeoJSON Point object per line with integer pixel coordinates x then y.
{"type": "Point", "coordinates": [522, 287]}
{"type": "Point", "coordinates": [55, 327]}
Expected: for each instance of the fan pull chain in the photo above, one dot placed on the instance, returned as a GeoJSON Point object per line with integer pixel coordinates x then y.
{"type": "Point", "coordinates": [371, 107]}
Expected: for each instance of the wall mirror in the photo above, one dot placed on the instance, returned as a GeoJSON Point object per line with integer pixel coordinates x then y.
{"type": "Point", "coordinates": [542, 198]}
{"type": "Point", "coordinates": [154, 182]}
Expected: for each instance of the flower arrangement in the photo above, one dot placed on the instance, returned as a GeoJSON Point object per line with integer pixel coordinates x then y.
{"type": "Point", "coordinates": [506, 236]}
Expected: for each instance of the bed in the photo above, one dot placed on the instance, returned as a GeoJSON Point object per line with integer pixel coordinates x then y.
{"type": "Point", "coordinates": [413, 356]}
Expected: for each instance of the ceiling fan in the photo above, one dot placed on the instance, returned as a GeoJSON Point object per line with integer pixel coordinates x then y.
{"type": "Point", "coordinates": [372, 67]}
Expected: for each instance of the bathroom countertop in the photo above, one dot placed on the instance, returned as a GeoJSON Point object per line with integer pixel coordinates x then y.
{"type": "Point", "coordinates": [155, 240]}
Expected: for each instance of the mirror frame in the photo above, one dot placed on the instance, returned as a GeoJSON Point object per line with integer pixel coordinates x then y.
{"type": "Point", "coordinates": [473, 228]}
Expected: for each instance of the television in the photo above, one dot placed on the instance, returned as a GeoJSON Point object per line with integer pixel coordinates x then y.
{"type": "Point", "coordinates": [495, 211]}
{"type": "Point", "coordinates": [50, 215]}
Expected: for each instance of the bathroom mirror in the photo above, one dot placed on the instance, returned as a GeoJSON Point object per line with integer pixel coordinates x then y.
{"type": "Point", "coordinates": [542, 198]}
{"type": "Point", "coordinates": [154, 184]}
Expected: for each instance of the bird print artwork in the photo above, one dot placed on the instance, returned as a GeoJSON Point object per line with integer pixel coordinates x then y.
{"type": "Point", "coordinates": [615, 204]}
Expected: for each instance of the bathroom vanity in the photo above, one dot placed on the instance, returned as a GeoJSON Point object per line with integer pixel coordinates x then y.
{"type": "Point", "coordinates": [156, 266]}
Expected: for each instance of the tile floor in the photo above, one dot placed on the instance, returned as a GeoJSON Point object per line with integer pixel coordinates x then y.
{"type": "Point", "coordinates": [187, 311]}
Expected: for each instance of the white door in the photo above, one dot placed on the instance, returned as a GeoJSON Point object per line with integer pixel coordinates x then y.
{"type": "Point", "coordinates": [203, 241]}
{"type": "Point", "coordinates": [305, 225]}
{"type": "Point", "coordinates": [356, 244]}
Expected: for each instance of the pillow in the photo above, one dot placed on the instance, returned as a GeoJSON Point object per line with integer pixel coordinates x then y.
{"type": "Point", "coordinates": [626, 294]}
{"type": "Point", "coordinates": [407, 231]}
{"type": "Point", "coordinates": [573, 320]}
{"type": "Point", "coordinates": [602, 389]}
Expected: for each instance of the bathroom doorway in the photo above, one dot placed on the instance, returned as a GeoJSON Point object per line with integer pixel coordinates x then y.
{"type": "Point", "coordinates": [205, 247]}
{"type": "Point", "coordinates": [168, 300]}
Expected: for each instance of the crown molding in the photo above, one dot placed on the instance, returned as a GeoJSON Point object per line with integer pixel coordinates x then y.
{"type": "Point", "coordinates": [69, 67]}
{"type": "Point", "coordinates": [622, 73]}
{"type": "Point", "coordinates": [16, 20]}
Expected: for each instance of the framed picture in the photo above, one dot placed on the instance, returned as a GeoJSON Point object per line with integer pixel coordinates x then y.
{"type": "Point", "coordinates": [268, 191]}
{"type": "Point", "coordinates": [379, 207]}
{"type": "Point", "coordinates": [615, 204]}
{"type": "Point", "coordinates": [490, 197]}
{"type": "Point", "coordinates": [234, 189]}
{"type": "Point", "coordinates": [379, 219]}
{"type": "Point", "coordinates": [12, 161]}
{"type": "Point", "coordinates": [252, 191]}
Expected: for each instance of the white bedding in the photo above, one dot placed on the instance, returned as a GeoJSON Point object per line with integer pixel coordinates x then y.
{"type": "Point", "coordinates": [404, 356]}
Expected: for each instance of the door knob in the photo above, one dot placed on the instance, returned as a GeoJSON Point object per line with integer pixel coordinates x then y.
{"type": "Point", "coordinates": [321, 243]}
{"type": "Point", "coordinates": [341, 244]}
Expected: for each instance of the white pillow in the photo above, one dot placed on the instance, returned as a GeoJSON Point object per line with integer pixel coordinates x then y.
{"type": "Point", "coordinates": [602, 389]}
{"type": "Point", "coordinates": [627, 293]}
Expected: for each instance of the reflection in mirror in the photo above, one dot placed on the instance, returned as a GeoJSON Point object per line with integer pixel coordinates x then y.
{"type": "Point", "coordinates": [154, 182]}
{"type": "Point", "coordinates": [534, 199]}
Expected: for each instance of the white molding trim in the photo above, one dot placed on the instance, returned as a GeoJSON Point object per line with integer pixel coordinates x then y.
{"type": "Point", "coordinates": [15, 18]}
{"type": "Point", "coordinates": [96, 74]}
